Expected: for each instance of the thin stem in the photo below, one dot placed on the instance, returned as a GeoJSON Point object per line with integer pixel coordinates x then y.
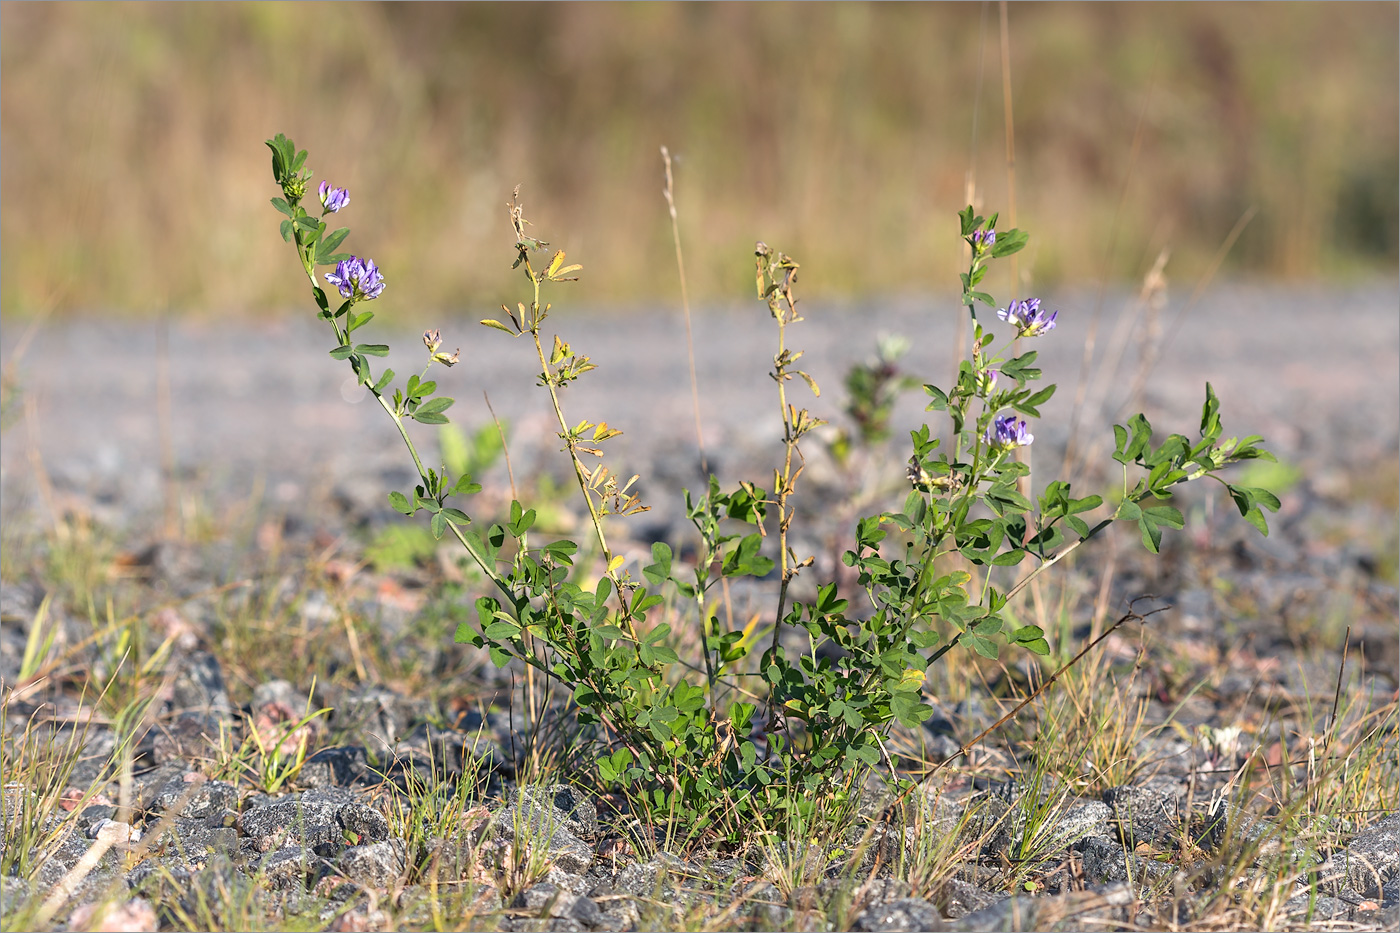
{"type": "Point", "coordinates": [780, 373]}
{"type": "Point", "coordinates": [571, 442]}
{"type": "Point", "coordinates": [685, 306]}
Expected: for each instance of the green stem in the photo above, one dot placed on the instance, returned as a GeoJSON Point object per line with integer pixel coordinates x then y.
{"type": "Point", "coordinates": [580, 471]}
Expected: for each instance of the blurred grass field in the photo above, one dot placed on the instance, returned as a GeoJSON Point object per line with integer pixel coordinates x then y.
{"type": "Point", "coordinates": [135, 180]}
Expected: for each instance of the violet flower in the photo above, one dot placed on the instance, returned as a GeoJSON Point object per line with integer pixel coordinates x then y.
{"type": "Point", "coordinates": [1006, 433]}
{"type": "Point", "coordinates": [357, 279]}
{"type": "Point", "coordinates": [1027, 317]}
{"type": "Point", "coordinates": [333, 199]}
{"type": "Point", "coordinates": [983, 240]}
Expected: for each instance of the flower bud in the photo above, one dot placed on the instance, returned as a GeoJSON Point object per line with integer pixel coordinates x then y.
{"type": "Point", "coordinates": [333, 199]}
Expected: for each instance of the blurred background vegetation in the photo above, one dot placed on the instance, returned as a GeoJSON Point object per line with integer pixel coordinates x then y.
{"type": "Point", "coordinates": [135, 179]}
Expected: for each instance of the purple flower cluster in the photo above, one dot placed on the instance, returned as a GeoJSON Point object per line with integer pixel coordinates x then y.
{"type": "Point", "coordinates": [357, 279]}
{"type": "Point", "coordinates": [983, 239]}
{"type": "Point", "coordinates": [1005, 433]}
{"type": "Point", "coordinates": [1027, 317]}
{"type": "Point", "coordinates": [333, 199]}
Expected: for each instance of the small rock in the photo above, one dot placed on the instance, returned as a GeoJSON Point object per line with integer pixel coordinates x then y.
{"type": "Point", "coordinates": [562, 804]}
{"type": "Point", "coordinates": [292, 868]}
{"type": "Point", "coordinates": [377, 717]}
{"type": "Point", "coordinates": [770, 907]}
{"type": "Point", "coordinates": [640, 879]}
{"type": "Point", "coordinates": [114, 831]}
{"type": "Point", "coordinates": [313, 818]}
{"type": "Point", "coordinates": [1373, 858]}
{"type": "Point", "coordinates": [207, 799]}
{"type": "Point", "coordinates": [149, 785]}
{"type": "Point", "coordinates": [545, 899]}
{"type": "Point", "coordinates": [905, 914]}
{"type": "Point", "coordinates": [959, 898]}
{"type": "Point", "coordinates": [93, 814]}
{"type": "Point", "coordinates": [334, 767]}
{"type": "Point", "coordinates": [188, 739]}
{"type": "Point", "coordinates": [1085, 818]}
{"type": "Point", "coordinates": [1104, 860]}
{"type": "Point", "coordinates": [623, 916]}
{"type": "Point", "coordinates": [359, 920]}
{"type": "Point", "coordinates": [1146, 812]}
{"type": "Point", "coordinates": [199, 690]}
{"type": "Point", "coordinates": [134, 916]}
{"type": "Point", "coordinates": [1316, 909]}
{"type": "Point", "coordinates": [376, 865]}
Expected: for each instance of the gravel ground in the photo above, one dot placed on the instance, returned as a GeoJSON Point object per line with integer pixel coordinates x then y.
{"type": "Point", "coordinates": [1314, 371]}
{"type": "Point", "coordinates": [260, 407]}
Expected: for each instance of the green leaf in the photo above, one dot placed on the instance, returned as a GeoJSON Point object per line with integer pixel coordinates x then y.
{"type": "Point", "coordinates": [1142, 436]}
{"type": "Point", "coordinates": [278, 160]}
{"type": "Point", "coordinates": [382, 349]}
{"type": "Point", "coordinates": [1020, 368]}
{"type": "Point", "coordinates": [400, 503]}
{"type": "Point", "coordinates": [282, 205]}
{"type": "Point", "coordinates": [1031, 405]}
{"type": "Point", "coordinates": [1151, 534]}
{"type": "Point", "coordinates": [434, 405]}
{"type": "Point", "coordinates": [491, 322]}
{"type": "Point", "coordinates": [1011, 241]}
{"type": "Point", "coordinates": [659, 571]}
{"type": "Point", "coordinates": [745, 560]}
{"type": "Point", "coordinates": [1166, 515]}
{"type": "Point", "coordinates": [521, 520]}
{"type": "Point", "coordinates": [908, 708]}
{"type": "Point", "coordinates": [1009, 558]}
{"type": "Point", "coordinates": [1032, 639]}
{"type": "Point", "coordinates": [940, 399]}
{"type": "Point", "coordinates": [1210, 415]}
{"type": "Point", "coordinates": [982, 645]}
{"type": "Point", "coordinates": [456, 516]}
{"type": "Point", "coordinates": [439, 525]}
{"type": "Point", "coordinates": [466, 635]}
{"type": "Point", "coordinates": [991, 625]}
{"type": "Point", "coordinates": [431, 417]}
{"type": "Point", "coordinates": [968, 218]}
{"type": "Point", "coordinates": [501, 628]}
{"type": "Point", "coordinates": [343, 352]}
{"type": "Point", "coordinates": [1256, 518]}
{"type": "Point", "coordinates": [385, 378]}
{"type": "Point", "coordinates": [328, 245]}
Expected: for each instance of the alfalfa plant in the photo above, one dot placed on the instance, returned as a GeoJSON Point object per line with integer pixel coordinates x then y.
{"type": "Point", "coordinates": [835, 676]}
